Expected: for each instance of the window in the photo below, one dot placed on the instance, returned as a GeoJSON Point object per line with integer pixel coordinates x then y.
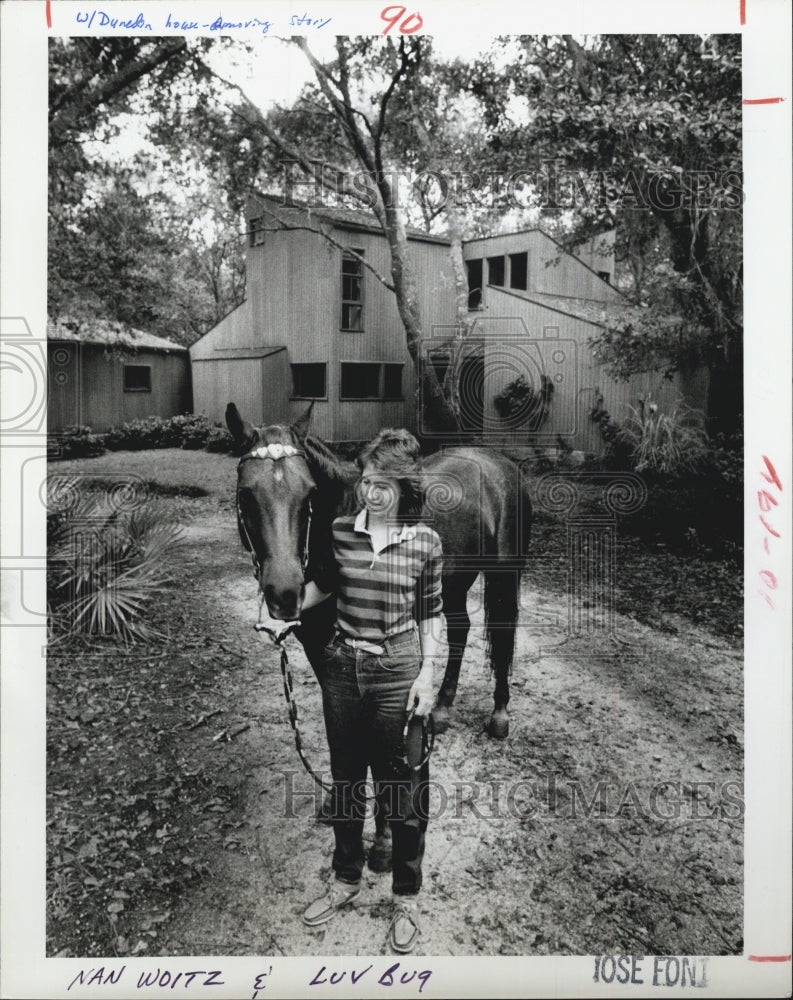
{"type": "Point", "coordinates": [309, 381]}
{"type": "Point", "coordinates": [364, 380]}
{"type": "Point", "coordinates": [392, 381]}
{"type": "Point", "coordinates": [495, 270]}
{"type": "Point", "coordinates": [360, 380]}
{"type": "Point", "coordinates": [256, 232]}
{"type": "Point", "coordinates": [474, 269]}
{"type": "Point", "coordinates": [519, 271]}
{"type": "Point", "coordinates": [352, 291]}
{"type": "Point", "coordinates": [605, 275]}
{"type": "Point", "coordinates": [137, 378]}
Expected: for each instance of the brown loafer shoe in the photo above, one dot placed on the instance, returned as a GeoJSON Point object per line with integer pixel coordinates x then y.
{"type": "Point", "coordinates": [339, 894]}
{"type": "Point", "coordinates": [404, 930]}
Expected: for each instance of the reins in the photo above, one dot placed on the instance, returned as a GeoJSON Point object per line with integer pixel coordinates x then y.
{"type": "Point", "coordinates": [289, 694]}
{"type": "Point", "coordinates": [276, 452]}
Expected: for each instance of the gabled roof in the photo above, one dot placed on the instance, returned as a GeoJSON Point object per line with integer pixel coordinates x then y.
{"type": "Point", "coordinates": [342, 217]}
{"type": "Point", "coordinates": [107, 332]}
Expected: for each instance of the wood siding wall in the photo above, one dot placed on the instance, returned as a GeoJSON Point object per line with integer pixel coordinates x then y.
{"type": "Point", "coordinates": [294, 285]}
{"type": "Point", "coordinates": [87, 387]}
{"type": "Point", "coordinates": [531, 340]}
{"type": "Point", "coordinates": [569, 276]}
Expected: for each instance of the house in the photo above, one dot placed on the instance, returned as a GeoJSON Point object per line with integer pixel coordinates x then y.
{"type": "Point", "coordinates": [535, 309]}
{"type": "Point", "coordinates": [319, 324]}
{"type": "Point", "coordinates": [102, 373]}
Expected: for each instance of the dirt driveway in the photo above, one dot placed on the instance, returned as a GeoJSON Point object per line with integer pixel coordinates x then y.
{"type": "Point", "coordinates": [610, 821]}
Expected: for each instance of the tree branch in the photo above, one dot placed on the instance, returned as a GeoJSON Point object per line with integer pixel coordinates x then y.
{"type": "Point", "coordinates": [284, 225]}
{"type": "Point", "coordinates": [86, 100]}
{"type": "Point", "coordinates": [310, 167]}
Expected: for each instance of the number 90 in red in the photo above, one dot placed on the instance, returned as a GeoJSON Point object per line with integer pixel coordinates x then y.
{"type": "Point", "coordinates": [395, 14]}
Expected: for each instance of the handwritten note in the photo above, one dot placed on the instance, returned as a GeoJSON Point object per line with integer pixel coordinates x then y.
{"type": "Point", "coordinates": [99, 20]}
{"type": "Point", "coordinates": [767, 501]}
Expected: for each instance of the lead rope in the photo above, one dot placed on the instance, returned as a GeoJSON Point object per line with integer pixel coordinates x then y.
{"type": "Point", "coordinates": [428, 728]}
{"type": "Point", "coordinates": [292, 710]}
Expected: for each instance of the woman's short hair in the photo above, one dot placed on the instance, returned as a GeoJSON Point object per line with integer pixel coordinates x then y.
{"type": "Point", "coordinates": [395, 452]}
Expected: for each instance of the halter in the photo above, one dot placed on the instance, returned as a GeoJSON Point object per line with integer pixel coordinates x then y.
{"type": "Point", "coordinates": [273, 452]}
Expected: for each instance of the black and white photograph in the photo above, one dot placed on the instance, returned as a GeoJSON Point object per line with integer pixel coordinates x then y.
{"type": "Point", "coordinates": [395, 523]}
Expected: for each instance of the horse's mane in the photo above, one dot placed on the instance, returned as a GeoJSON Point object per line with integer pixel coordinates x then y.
{"type": "Point", "coordinates": [327, 464]}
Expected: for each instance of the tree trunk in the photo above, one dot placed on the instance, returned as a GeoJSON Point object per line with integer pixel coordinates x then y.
{"type": "Point", "coordinates": [436, 418]}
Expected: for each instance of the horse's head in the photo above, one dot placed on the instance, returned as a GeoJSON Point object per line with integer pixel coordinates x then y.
{"type": "Point", "coordinates": [274, 489]}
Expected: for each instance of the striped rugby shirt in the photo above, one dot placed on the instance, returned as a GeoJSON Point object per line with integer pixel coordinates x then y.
{"type": "Point", "coordinates": [384, 593]}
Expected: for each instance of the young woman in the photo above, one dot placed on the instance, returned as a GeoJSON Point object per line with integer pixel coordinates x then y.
{"type": "Point", "coordinates": [379, 667]}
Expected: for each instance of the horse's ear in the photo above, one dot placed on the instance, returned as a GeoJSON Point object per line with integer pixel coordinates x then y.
{"type": "Point", "coordinates": [244, 434]}
{"type": "Point", "coordinates": [301, 425]}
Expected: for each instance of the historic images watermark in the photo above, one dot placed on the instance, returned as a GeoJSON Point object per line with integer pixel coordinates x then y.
{"type": "Point", "coordinates": [548, 796]}
{"type": "Point", "coordinates": [551, 187]}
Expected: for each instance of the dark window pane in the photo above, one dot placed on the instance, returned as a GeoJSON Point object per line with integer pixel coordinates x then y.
{"type": "Point", "coordinates": [351, 317]}
{"type": "Point", "coordinates": [137, 378]}
{"type": "Point", "coordinates": [308, 381]}
{"type": "Point", "coordinates": [351, 292]}
{"type": "Point", "coordinates": [392, 381]}
{"type": "Point", "coordinates": [519, 271]}
{"type": "Point", "coordinates": [256, 232]}
{"type": "Point", "coordinates": [350, 288]}
{"type": "Point", "coordinates": [360, 381]}
{"type": "Point", "coordinates": [474, 268]}
{"type": "Point", "coordinates": [350, 264]}
{"type": "Point", "coordinates": [495, 270]}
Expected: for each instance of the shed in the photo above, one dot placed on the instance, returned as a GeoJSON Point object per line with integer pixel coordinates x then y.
{"type": "Point", "coordinates": [102, 373]}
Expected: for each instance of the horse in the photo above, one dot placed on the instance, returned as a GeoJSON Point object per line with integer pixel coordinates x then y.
{"type": "Point", "coordinates": [475, 500]}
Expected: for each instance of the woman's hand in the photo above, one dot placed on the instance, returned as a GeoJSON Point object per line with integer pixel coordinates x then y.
{"type": "Point", "coordinates": [422, 693]}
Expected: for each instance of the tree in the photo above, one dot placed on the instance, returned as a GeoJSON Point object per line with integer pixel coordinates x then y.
{"type": "Point", "coordinates": [639, 133]}
{"type": "Point", "coordinates": [125, 242]}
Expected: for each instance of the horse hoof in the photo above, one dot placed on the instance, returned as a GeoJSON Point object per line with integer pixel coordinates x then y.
{"type": "Point", "coordinates": [498, 727]}
{"type": "Point", "coordinates": [441, 717]}
{"type": "Point", "coordinates": [380, 853]}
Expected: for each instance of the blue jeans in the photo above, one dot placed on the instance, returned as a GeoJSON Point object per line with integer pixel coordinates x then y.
{"type": "Point", "coordinates": [364, 698]}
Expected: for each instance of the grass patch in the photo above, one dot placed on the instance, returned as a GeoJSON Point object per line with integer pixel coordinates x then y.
{"type": "Point", "coordinates": [166, 471]}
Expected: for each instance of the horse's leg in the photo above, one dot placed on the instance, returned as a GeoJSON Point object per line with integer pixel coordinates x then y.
{"type": "Point", "coordinates": [455, 592]}
{"type": "Point", "coordinates": [501, 615]}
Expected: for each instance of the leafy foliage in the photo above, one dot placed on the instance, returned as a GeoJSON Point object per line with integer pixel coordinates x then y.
{"type": "Point", "coordinates": [651, 124]}
{"type": "Point", "coordinates": [673, 444]}
{"type": "Point", "coordinates": [104, 565]}
{"type": "Point", "coordinates": [79, 442]}
{"type": "Point", "coordinates": [521, 406]}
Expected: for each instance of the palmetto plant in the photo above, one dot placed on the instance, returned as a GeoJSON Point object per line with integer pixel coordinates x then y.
{"type": "Point", "coordinates": [674, 443]}
{"type": "Point", "coordinates": [104, 563]}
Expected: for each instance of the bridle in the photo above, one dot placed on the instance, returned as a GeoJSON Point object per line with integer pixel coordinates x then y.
{"type": "Point", "coordinates": [274, 453]}
{"type": "Point", "coordinates": [278, 452]}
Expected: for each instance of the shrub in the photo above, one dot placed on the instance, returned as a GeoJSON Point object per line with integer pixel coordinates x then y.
{"type": "Point", "coordinates": [196, 429]}
{"type": "Point", "coordinates": [186, 430]}
{"type": "Point", "coordinates": [519, 405]}
{"type": "Point", "coordinates": [78, 442]}
{"type": "Point", "coordinates": [104, 564]}
{"type": "Point", "coordinates": [219, 440]}
{"type": "Point", "coordinates": [673, 444]}
{"type": "Point", "coordinates": [136, 435]}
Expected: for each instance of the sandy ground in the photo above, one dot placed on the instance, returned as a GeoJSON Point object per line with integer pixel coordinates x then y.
{"type": "Point", "coordinates": [610, 821]}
